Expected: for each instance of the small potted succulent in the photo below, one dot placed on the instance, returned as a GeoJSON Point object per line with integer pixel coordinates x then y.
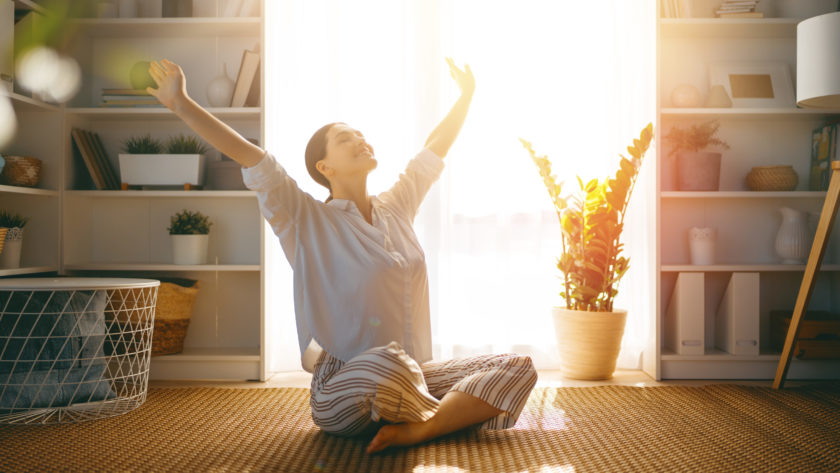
{"type": "Point", "coordinates": [190, 232]}
{"type": "Point", "coordinates": [589, 329]}
{"type": "Point", "coordinates": [697, 169]}
{"type": "Point", "coordinates": [147, 161]}
{"type": "Point", "coordinates": [11, 239]}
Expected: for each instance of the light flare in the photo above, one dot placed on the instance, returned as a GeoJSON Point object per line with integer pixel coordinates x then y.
{"type": "Point", "coordinates": [8, 122]}
{"type": "Point", "coordinates": [42, 70]}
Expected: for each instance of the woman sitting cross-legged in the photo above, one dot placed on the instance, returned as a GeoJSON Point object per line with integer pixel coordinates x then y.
{"type": "Point", "coordinates": [360, 284]}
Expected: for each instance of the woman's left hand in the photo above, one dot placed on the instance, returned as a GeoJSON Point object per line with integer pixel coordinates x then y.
{"type": "Point", "coordinates": [464, 78]}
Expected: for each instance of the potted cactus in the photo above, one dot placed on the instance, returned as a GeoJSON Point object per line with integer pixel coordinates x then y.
{"type": "Point", "coordinates": [589, 329]}
{"type": "Point", "coordinates": [146, 161]}
{"type": "Point", "coordinates": [11, 227]}
{"type": "Point", "coordinates": [190, 232]}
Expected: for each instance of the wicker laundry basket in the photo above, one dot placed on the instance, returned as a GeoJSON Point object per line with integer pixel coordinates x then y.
{"type": "Point", "coordinates": [175, 302]}
{"type": "Point", "coordinates": [21, 171]}
{"type": "Point", "coordinates": [173, 309]}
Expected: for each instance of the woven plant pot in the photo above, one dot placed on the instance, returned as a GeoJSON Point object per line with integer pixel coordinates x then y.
{"type": "Point", "coordinates": [21, 171]}
{"type": "Point", "coordinates": [3, 231]}
{"type": "Point", "coordinates": [589, 342]}
{"type": "Point", "coordinates": [772, 178]}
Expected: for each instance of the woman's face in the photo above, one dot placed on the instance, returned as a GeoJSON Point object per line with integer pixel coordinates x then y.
{"type": "Point", "coordinates": [347, 153]}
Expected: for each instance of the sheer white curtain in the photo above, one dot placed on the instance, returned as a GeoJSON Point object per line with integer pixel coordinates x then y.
{"type": "Point", "coordinates": [575, 78]}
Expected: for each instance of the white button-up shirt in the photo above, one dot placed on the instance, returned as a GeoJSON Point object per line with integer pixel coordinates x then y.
{"type": "Point", "coordinates": [356, 285]}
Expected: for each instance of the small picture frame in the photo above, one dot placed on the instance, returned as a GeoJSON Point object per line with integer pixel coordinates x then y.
{"type": "Point", "coordinates": [763, 84]}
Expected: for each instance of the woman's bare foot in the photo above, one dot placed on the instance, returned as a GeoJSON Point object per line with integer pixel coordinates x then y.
{"type": "Point", "coordinates": [392, 435]}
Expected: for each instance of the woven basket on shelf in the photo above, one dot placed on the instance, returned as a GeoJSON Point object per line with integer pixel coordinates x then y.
{"type": "Point", "coordinates": [772, 178]}
{"type": "Point", "coordinates": [21, 171]}
{"type": "Point", "coordinates": [173, 309]}
{"type": "Point", "coordinates": [3, 231]}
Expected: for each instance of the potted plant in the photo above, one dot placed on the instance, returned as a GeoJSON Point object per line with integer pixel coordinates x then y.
{"type": "Point", "coordinates": [697, 169]}
{"type": "Point", "coordinates": [588, 328]}
{"type": "Point", "coordinates": [190, 232]}
{"type": "Point", "coordinates": [144, 161]}
{"type": "Point", "coordinates": [12, 243]}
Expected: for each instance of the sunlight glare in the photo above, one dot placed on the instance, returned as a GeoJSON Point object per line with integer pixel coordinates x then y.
{"type": "Point", "coordinates": [8, 122]}
{"type": "Point", "coordinates": [37, 68]}
{"type": "Point", "coordinates": [41, 70]}
{"type": "Point", "coordinates": [67, 82]}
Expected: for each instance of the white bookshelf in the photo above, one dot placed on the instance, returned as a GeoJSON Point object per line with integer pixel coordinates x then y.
{"type": "Point", "coordinates": [75, 230]}
{"type": "Point", "coordinates": [746, 221]}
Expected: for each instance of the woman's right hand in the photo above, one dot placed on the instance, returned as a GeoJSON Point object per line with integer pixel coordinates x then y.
{"type": "Point", "coordinates": [172, 86]}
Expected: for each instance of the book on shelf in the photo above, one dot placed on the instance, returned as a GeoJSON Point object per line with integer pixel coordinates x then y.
{"type": "Point", "coordinates": [96, 160]}
{"type": "Point", "coordinates": [87, 157]}
{"type": "Point", "coordinates": [121, 102]}
{"type": "Point", "coordinates": [127, 97]}
{"type": "Point", "coordinates": [132, 92]}
{"type": "Point", "coordinates": [246, 91]}
{"type": "Point", "coordinates": [823, 151]}
{"type": "Point", "coordinates": [752, 14]}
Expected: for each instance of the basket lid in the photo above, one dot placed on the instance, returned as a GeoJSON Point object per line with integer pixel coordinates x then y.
{"type": "Point", "coordinates": [74, 283]}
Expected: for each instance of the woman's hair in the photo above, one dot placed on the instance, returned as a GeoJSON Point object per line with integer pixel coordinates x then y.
{"type": "Point", "coordinates": [316, 149]}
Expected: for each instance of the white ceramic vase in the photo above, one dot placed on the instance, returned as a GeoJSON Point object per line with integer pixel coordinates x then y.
{"type": "Point", "coordinates": [10, 257]}
{"type": "Point", "coordinates": [792, 242]}
{"type": "Point", "coordinates": [701, 243]}
{"type": "Point", "coordinates": [189, 249]}
{"type": "Point", "coordinates": [220, 89]}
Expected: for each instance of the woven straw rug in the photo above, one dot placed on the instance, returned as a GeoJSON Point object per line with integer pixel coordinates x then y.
{"type": "Point", "coordinates": [605, 428]}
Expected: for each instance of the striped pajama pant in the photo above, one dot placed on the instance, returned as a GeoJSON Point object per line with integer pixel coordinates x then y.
{"type": "Point", "coordinates": [385, 385]}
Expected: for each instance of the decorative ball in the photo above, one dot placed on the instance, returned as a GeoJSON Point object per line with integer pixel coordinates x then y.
{"type": "Point", "coordinates": [140, 77]}
{"type": "Point", "coordinates": [686, 95]}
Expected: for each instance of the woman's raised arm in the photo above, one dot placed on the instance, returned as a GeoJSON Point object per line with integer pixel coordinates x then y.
{"type": "Point", "coordinates": [172, 93]}
{"type": "Point", "coordinates": [442, 137]}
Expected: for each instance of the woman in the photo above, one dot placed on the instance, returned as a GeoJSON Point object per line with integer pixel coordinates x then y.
{"type": "Point", "coordinates": [361, 292]}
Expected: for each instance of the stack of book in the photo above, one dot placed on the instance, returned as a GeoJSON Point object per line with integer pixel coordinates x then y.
{"type": "Point", "coordinates": [88, 146]}
{"type": "Point", "coordinates": [128, 98]}
{"type": "Point", "coordinates": [824, 149]}
{"type": "Point", "coordinates": [739, 9]}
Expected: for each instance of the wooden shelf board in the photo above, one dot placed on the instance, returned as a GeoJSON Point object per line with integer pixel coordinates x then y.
{"type": "Point", "coordinates": [751, 113]}
{"type": "Point", "coordinates": [161, 193]}
{"type": "Point", "coordinates": [28, 191]}
{"type": "Point", "coordinates": [28, 104]}
{"type": "Point", "coordinates": [161, 267]}
{"type": "Point", "coordinates": [672, 268]}
{"type": "Point", "coordinates": [743, 195]}
{"type": "Point", "coordinates": [717, 354]}
{"type": "Point", "coordinates": [212, 354]}
{"type": "Point", "coordinates": [27, 270]}
{"type": "Point", "coordinates": [171, 27]}
{"type": "Point", "coordinates": [728, 27]}
{"type": "Point", "coordinates": [144, 113]}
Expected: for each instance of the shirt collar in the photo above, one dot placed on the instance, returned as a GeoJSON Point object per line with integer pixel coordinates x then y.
{"type": "Point", "coordinates": [347, 204]}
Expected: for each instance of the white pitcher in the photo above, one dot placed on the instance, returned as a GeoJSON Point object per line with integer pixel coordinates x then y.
{"type": "Point", "coordinates": [792, 242]}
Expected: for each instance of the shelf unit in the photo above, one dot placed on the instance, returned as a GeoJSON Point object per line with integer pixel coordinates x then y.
{"type": "Point", "coordinates": [75, 230]}
{"type": "Point", "coordinates": [746, 221]}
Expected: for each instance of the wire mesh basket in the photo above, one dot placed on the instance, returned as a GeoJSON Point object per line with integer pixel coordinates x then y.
{"type": "Point", "coordinates": [74, 349]}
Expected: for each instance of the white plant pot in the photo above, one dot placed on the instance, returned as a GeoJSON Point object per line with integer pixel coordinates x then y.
{"type": "Point", "coordinates": [189, 249]}
{"type": "Point", "coordinates": [589, 342]}
{"type": "Point", "coordinates": [162, 169]}
{"type": "Point", "coordinates": [10, 256]}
